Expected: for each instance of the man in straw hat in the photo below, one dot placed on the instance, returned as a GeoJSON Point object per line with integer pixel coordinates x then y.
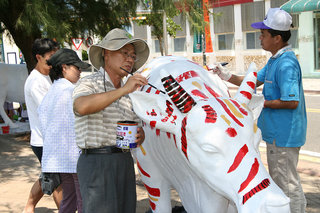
{"type": "Point", "coordinates": [283, 120]}
{"type": "Point", "coordinates": [106, 173]}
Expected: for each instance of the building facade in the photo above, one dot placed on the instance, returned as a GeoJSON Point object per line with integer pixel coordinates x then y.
{"type": "Point", "coordinates": [236, 42]}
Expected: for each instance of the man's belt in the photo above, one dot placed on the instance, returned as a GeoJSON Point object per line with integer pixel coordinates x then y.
{"type": "Point", "coordinates": [104, 150]}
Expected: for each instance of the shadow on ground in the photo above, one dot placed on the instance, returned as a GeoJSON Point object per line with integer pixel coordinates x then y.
{"type": "Point", "coordinates": [14, 159]}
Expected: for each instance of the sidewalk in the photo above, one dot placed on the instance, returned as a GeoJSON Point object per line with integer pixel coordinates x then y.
{"type": "Point", "coordinates": [19, 169]}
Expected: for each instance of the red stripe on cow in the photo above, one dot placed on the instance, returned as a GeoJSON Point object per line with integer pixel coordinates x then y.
{"type": "Point", "coordinates": [148, 90]}
{"type": "Point", "coordinates": [168, 135]}
{"type": "Point", "coordinates": [211, 114]}
{"type": "Point", "coordinates": [142, 170]}
{"type": "Point", "coordinates": [212, 92]}
{"type": "Point", "coordinates": [184, 143]}
{"type": "Point", "coordinates": [229, 112]}
{"type": "Point", "coordinates": [253, 172]}
{"type": "Point", "coordinates": [186, 75]}
{"type": "Point", "coordinates": [246, 94]}
{"type": "Point", "coordinates": [251, 84]}
{"type": "Point", "coordinates": [152, 205]}
{"type": "Point", "coordinates": [175, 141]}
{"type": "Point", "coordinates": [153, 113]}
{"type": "Point", "coordinates": [238, 159]}
{"type": "Point", "coordinates": [152, 191]}
{"type": "Point", "coordinates": [231, 132]}
{"type": "Point", "coordinates": [242, 110]}
{"type": "Point", "coordinates": [198, 93]}
{"type": "Point", "coordinates": [153, 124]}
{"type": "Point", "coordinates": [169, 109]}
{"type": "Point", "coordinates": [264, 184]}
{"type": "Point", "coordinates": [158, 132]}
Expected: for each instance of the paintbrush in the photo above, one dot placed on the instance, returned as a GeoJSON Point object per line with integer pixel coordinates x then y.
{"type": "Point", "coordinates": [148, 83]}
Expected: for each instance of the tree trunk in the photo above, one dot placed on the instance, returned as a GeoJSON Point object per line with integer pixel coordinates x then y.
{"type": "Point", "coordinates": [23, 40]}
{"type": "Point", "coordinates": [161, 45]}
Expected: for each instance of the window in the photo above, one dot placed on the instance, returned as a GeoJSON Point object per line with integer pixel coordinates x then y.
{"type": "Point", "coordinates": [293, 41]}
{"type": "Point", "coordinates": [156, 46]}
{"type": "Point", "coordinates": [226, 41]}
{"type": "Point", "coordinates": [140, 31]}
{"type": "Point", "coordinates": [250, 13]}
{"type": "Point", "coordinates": [255, 12]}
{"type": "Point", "coordinates": [179, 42]}
{"type": "Point", "coordinates": [224, 27]}
{"type": "Point", "coordinates": [252, 40]}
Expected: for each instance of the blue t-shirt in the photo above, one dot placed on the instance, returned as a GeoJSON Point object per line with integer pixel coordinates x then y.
{"type": "Point", "coordinates": [282, 80]}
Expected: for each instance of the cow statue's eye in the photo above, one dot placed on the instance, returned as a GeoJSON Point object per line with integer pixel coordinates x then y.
{"type": "Point", "coordinates": [209, 148]}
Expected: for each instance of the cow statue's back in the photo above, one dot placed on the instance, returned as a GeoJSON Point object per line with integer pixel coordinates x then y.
{"type": "Point", "coordinates": [201, 142]}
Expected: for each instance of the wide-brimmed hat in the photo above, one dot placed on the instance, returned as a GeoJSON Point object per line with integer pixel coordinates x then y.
{"type": "Point", "coordinates": [67, 56]}
{"type": "Point", "coordinates": [115, 40]}
{"type": "Point", "coordinates": [276, 19]}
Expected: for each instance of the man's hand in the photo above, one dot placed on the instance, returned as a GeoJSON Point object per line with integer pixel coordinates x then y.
{"type": "Point", "coordinates": [139, 136]}
{"type": "Point", "coordinates": [134, 82]}
{"type": "Point", "coordinates": [223, 72]}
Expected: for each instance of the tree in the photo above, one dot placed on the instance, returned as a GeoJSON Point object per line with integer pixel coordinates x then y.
{"type": "Point", "coordinates": [190, 9]}
{"type": "Point", "coordinates": [27, 20]}
{"type": "Point", "coordinates": [155, 20]}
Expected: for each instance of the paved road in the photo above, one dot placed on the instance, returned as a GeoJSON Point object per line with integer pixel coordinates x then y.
{"type": "Point", "coordinates": [313, 115]}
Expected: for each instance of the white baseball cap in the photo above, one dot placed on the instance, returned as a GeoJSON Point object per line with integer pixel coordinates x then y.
{"type": "Point", "coordinates": [276, 19]}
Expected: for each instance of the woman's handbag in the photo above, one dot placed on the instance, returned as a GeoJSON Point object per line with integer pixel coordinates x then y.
{"type": "Point", "coordinates": [49, 182]}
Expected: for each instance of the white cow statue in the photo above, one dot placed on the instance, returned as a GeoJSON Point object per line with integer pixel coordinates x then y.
{"type": "Point", "coordinates": [201, 142]}
{"type": "Point", "coordinates": [12, 78]}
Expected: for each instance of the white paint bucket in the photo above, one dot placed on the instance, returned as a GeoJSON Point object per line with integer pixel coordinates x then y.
{"type": "Point", "coordinates": [126, 134]}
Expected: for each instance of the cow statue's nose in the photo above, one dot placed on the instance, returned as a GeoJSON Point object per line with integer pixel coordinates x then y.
{"type": "Point", "coordinates": [277, 204]}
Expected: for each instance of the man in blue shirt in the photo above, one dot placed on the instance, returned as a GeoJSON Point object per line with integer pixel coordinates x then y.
{"type": "Point", "coordinates": [283, 120]}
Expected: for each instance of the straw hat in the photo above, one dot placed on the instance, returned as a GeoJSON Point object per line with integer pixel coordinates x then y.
{"type": "Point", "coordinates": [115, 40]}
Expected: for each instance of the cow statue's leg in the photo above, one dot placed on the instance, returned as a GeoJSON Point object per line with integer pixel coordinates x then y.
{"type": "Point", "coordinates": [157, 186]}
{"type": "Point", "coordinates": [4, 115]}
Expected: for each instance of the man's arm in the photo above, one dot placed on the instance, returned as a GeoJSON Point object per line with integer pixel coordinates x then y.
{"type": "Point", "coordinates": [225, 74]}
{"type": "Point", "coordinates": [278, 104]}
{"type": "Point", "coordinates": [93, 103]}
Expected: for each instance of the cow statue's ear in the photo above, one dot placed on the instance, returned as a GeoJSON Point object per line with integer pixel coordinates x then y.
{"type": "Point", "coordinates": [160, 113]}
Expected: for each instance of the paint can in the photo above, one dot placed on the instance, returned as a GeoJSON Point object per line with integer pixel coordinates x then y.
{"type": "Point", "coordinates": [126, 134]}
{"type": "Point", "coordinates": [5, 129]}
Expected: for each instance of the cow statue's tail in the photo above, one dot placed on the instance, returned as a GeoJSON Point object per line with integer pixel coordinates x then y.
{"type": "Point", "coordinates": [246, 92]}
{"type": "Point", "coordinates": [248, 85]}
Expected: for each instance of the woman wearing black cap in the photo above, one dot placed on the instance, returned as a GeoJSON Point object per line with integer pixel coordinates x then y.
{"type": "Point", "coordinates": [60, 152]}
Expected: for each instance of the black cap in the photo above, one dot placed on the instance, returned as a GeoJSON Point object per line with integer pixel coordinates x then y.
{"type": "Point", "coordinates": [67, 56]}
